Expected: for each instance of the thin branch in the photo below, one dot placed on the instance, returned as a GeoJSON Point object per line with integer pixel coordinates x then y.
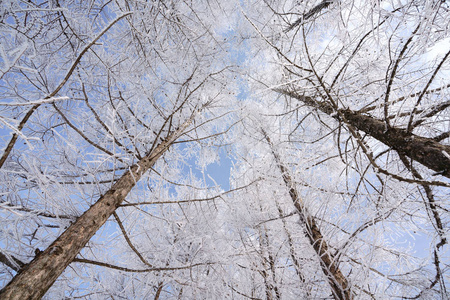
{"type": "Point", "coordinates": [431, 202]}
{"type": "Point", "coordinates": [410, 126]}
{"type": "Point", "coordinates": [394, 73]}
{"type": "Point", "coordinates": [313, 11]}
{"type": "Point", "coordinates": [442, 136]}
{"type": "Point", "coordinates": [192, 200]}
{"type": "Point", "coordinates": [102, 264]}
{"type": "Point", "coordinates": [52, 94]}
{"type": "Point", "coordinates": [85, 137]}
{"type": "Point", "coordinates": [38, 212]}
{"type": "Point", "coordinates": [38, 102]}
{"type": "Point", "coordinates": [372, 107]}
{"type": "Point", "coordinates": [129, 241]}
{"type": "Point", "coordinates": [12, 262]}
{"type": "Point", "coordinates": [280, 217]}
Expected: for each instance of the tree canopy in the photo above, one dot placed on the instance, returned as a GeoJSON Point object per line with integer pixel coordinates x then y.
{"type": "Point", "coordinates": [240, 150]}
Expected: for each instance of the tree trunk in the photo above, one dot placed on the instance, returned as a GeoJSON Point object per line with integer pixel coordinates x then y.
{"type": "Point", "coordinates": [338, 282]}
{"type": "Point", "coordinates": [293, 255]}
{"type": "Point", "coordinates": [33, 281]}
{"type": "Point", "coordinates": [426, 151]}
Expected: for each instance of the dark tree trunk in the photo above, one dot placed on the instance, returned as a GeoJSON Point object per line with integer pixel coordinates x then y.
{"type": "Point", "coordinates": [338, 282]}
{"type": "Point", "coordinates": [426, 151]}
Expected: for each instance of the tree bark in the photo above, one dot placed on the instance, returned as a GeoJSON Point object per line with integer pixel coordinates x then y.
{"type": "Point", "coordinates": [426, 151]}
{"type": "Point", "coordinates": [338, 282]}
{"type": "Point", "coordinates": [33, 281]}
{"type": "Point", "coordinates": [292, 253]}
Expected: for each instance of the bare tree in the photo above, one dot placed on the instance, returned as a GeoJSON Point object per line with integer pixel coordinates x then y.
{"type": "Point", "coordinates": [371, 80]}
{"type": "Point", "coordinates": [36, 278]}
{"type": "Point", "coordinates": [95, 121]}
{"type": "Point", "coordinates": [330, 265]}
{"type": "Point", "coordinates": [123, 121]}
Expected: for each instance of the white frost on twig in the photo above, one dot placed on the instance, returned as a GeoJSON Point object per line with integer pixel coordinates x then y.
{"type": "Point", "coordinates": [40, 101]}
{"type": "Point", "coordinates": [446, 154]}
{"type": "Point", "coordinates": [12, 209]}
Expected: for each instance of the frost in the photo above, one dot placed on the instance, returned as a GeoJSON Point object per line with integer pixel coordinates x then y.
{"type": "Point", "coordinates": [165, 106]}
{"type": "Point", "coordinates": [439, 49]}
{"type": "Point", "coordinates": [41, 101]}
{"type": "Point", "coordinates": [446, 154]}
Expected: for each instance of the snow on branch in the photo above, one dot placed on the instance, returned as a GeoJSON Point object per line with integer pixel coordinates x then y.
{"type": "Point", "coordinates": [40, 101]}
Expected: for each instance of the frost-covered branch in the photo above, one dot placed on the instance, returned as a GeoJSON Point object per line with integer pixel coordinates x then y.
{"type": "Point", "coordinates": [422, 149]}
{"type": "Point", "coordinates": [30, 112]}
{"type": "Point", "coordinates": [162, 269]}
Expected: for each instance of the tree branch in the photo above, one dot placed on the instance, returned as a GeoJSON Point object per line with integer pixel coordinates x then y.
{"type": "Point", "coordinates": [427, 151]}
{"type": "Point", "coordinates": [106, 265]}
{"type": "Point", "coordinates": [52, 94]}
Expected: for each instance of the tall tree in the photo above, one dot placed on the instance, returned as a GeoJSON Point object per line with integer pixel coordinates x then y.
{"type": "Point", "coordinates": [123, 119]}
{"type": "Point", "coordinates": [330, 266]}
{"type": "Point", "coordinates": [380, 70]}
{"type": "Point", "coordinates": [118, 84]}
{"type": "Point", "coordinates": [38, 276]}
